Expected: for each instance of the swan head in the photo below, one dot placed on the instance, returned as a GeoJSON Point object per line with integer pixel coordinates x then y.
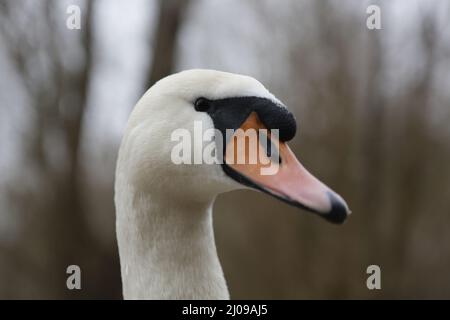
{"type": "Point", "coordinates": [181, 142]}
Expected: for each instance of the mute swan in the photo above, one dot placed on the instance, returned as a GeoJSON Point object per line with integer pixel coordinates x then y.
{"type": "Point", "coordinates": [164, 211]}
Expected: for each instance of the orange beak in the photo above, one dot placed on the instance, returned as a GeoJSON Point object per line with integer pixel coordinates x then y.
{"type": "Point", "coordinates": [286, 178]}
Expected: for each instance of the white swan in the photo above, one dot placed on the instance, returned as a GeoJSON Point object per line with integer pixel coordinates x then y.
{"type": "Point", "coordinates": [164, 211]}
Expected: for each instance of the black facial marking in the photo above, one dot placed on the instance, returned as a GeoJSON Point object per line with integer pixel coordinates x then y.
{"type": "Point", "coordinates": [230, 113]}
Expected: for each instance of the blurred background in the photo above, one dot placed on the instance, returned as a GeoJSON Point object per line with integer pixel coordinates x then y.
{"type": "Point", "coordinates": [373, 108]}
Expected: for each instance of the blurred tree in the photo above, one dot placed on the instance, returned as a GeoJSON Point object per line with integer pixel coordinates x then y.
{"type": "Point", "coordinates": [54, 230]}
{"type": "Point", "coordinates": [171, 13]}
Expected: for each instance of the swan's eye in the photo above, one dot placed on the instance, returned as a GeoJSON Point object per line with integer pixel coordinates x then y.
{"type": "Point", "coordinates": [202, 104]}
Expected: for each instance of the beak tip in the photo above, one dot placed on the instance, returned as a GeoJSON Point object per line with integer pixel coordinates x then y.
{"type": "Point", "coordinates": [339, 209]}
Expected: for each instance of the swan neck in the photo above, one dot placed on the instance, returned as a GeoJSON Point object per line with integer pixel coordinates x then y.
{"type": "Point", "coordinates": [167, 249]}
